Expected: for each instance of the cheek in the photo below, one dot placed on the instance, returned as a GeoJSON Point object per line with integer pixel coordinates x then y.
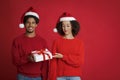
{"type": "Point", "coordinates": [70, 29]}
{"type": "Point", "coordinates": [35, 25]}
{"type": "Point", "coordinates": [63, 28]}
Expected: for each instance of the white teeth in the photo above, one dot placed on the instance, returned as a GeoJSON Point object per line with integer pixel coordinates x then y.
{"type": "Point", "coordinates": [30, 28]}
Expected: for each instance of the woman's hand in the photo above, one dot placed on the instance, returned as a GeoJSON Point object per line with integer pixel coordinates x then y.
{"type": "Point", "coordinates": [58, 55]}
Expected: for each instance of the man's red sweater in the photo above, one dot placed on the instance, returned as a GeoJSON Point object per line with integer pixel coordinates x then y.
{"type": "Point", "coordinates": [21, 49]}
{"type": "Point", "coordinates": [73, 58]}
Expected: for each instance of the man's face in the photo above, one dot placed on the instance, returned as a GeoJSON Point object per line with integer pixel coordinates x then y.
{"type": "Point", "coordinates": [30, 25]}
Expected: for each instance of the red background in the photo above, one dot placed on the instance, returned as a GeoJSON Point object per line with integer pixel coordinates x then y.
{"type": "Point", "coordinates": [100, 25]}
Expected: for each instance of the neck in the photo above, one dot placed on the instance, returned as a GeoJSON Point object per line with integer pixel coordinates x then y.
{"type": "Point", "coordinates": [30, 35]}
{"type": "Point", "coordinates": [69, 36]}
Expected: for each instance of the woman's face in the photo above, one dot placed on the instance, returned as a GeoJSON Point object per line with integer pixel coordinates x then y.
{"type": "Point", "coordinates": [67, 27]}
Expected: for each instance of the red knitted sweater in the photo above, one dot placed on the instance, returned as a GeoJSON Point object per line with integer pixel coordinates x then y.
{"type": "Point", "coordinates": [21, 48]}
{"type": "Point", "coordinates": [73, 58]}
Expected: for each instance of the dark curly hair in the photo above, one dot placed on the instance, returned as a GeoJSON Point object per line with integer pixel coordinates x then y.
{"type": "Point", "coordinates": [30, 16]}
{"type": "Point", "coordinates": [75, 28]}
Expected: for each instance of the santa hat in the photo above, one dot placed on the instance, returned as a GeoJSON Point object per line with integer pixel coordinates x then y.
{"type": "Point", "coordinates": [30, 11]}
{"type": "Point", "coordinates": [64, 17]}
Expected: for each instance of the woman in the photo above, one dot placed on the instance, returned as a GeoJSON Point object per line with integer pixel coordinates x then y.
{"type": "Point", "coordinates": [68, 52]}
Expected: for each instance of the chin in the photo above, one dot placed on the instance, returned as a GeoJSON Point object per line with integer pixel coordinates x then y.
{"type": "Point", "coordinates": [66, 33]}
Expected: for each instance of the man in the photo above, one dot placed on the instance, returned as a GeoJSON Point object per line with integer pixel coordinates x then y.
{"type": "Point", "coordinates": [22, 47]}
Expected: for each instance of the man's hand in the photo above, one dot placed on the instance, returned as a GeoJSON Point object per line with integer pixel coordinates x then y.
{"type": "Point", "coordinates": [30, 58]}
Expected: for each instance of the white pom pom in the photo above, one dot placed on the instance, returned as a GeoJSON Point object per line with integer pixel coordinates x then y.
{"type": "Point", "coordinates": [55, 30]}
{"type": "Point", "coordinates": [21, 25]}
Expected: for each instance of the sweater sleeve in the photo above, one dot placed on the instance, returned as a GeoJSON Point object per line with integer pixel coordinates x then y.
{"type": "Point", "coordinates": [52, 70]}
{"type": "Point", "coordinates": [44, 70]}
{"type": "Point", "coordinates": [75, 60]}
{"type": "Point", "coordinates": [18, 59]}
{"type": "Point", "coordinates": [53, 65]}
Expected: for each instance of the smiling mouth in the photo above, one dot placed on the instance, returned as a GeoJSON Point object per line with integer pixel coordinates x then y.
{"type": "Point", "coordinates": [30, 28]}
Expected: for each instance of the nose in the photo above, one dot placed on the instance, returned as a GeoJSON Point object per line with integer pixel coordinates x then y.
{"type": "Point", "coordinates": [65, 28]}
{"type": "Point", "coordinates": [30, 24]}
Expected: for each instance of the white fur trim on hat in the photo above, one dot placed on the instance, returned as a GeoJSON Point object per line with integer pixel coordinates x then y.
{"type": "Point", "coordinates": [32, 13]}
{"type": "Point", "coordinates": [21, 25]}
{"type": "Point", "coordinates": [67, 19]}
{"type": "Point", "coordinates": [55, 30]}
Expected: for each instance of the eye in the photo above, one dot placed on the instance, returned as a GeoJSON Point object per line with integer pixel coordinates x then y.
{"type": "Point", "coordinates": [68, 26]}
{"type": "Point", "coordinates": [33, 23]}
{"type": "Point", "coordinates": [63, 26]}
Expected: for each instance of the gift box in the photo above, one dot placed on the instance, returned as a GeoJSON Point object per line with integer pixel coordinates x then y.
{"type": "Point", "coordinates": [41, 55]}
